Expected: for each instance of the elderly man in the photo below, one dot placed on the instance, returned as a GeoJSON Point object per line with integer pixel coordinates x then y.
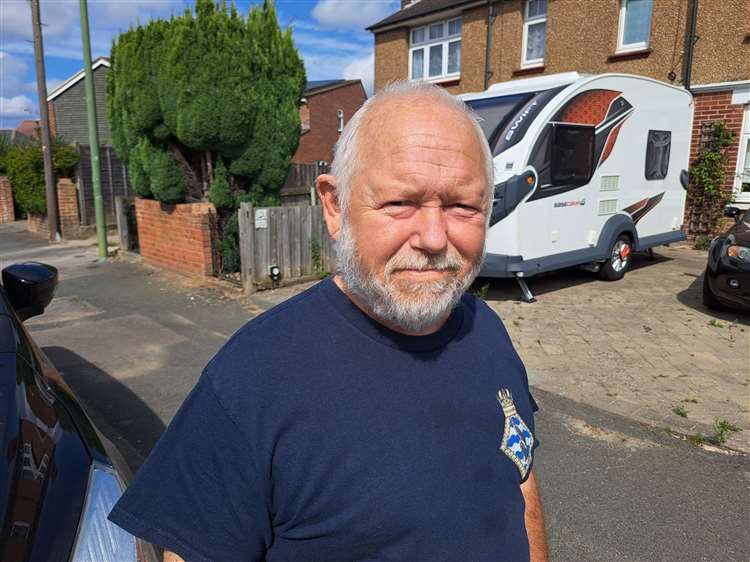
{"type": "Point", "coordinates": [381, 414]}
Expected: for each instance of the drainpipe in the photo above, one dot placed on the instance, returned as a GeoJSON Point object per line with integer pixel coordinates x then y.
{"type": "Point", "coordinates": [491, 13]}
{"type": "Point", "coordinates": [692, 38]}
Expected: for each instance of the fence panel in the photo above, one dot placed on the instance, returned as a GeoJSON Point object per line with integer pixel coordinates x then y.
{"type": "Point", "coordinates": [292, 238]}
{"type": "Point", "coordinates": [114, 180]}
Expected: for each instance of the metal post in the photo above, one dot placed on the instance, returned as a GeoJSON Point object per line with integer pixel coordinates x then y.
{"type": "Point", "coordinates": [101, 228]}
{"type": "Point", "coordinates": [41, 90]}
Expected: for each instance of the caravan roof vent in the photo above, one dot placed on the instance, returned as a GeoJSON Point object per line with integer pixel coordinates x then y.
{"type": "Point", "coordinates": [610, 183]}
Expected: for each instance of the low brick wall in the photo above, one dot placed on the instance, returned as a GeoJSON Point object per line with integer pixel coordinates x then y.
{"type": "Point", "coordinates": [7, 213]}
{"type": "Point", "coordinates": [67, 205]}
{"type": "Point", "coordinates": [178, 237]}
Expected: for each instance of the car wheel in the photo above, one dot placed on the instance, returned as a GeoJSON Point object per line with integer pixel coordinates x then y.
{"type": "Point", "coordinates": [619, 259]}
{"type": "Point", "coordinates": [709, 300]}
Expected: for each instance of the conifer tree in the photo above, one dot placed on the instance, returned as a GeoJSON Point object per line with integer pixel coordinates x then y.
{"type": "Point", "coordinates": [204, 92]}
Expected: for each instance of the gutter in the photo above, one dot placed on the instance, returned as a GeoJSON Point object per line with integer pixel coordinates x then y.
{"type": "Point", "coordinates": [491, 14]}
{"type": "Point", "coordinates": [692, 39]}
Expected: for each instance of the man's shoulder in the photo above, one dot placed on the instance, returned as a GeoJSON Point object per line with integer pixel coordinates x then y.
{"type": "Point", "coordinates": [272, 336]}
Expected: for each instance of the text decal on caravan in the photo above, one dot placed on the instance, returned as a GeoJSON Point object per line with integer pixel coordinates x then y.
{"type": "Point", "coordinates": [520, 119]}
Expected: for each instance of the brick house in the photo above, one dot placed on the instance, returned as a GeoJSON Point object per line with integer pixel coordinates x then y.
{"type": "Point", "coordinates": [326, 107]}
{"type": "Point", "coordinates": [466, 45]}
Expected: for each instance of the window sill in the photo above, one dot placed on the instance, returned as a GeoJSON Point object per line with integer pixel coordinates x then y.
{"type": "Point", "coordinates": [528, 70]}
{"type": "Point", "coordinates": [441, 80]}
{"type": "Point", "coordinates": [629, 55]}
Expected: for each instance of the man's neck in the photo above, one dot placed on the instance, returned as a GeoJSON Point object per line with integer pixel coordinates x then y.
{"type": "Point", "coordinates": [368, 311]}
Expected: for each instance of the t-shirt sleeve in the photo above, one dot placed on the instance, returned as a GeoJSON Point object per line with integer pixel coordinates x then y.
{"type": "Point", "coordinates": [200, 493]}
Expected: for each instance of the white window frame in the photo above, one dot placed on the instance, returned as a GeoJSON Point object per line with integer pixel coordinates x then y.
{"type": "Point", "coordinates": [640, 46]}
{"type": "Point", "coordinates": [340, 117]}
{"type": "Point", "coordinates": [742, 164]}
{"type": "Point", "coordinates": [527, 21]}
{"type": "Point", "coordinates": [425, 45]}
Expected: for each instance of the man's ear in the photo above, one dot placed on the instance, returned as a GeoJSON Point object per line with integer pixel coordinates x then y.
{"type": "Point", "coordinates": [326, 186]}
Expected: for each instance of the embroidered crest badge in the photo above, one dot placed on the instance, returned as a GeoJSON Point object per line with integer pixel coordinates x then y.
{"type": "Point", "coordinates": [518, 442]}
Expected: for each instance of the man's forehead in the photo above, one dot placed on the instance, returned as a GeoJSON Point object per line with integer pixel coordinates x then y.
{"type": "Point", "coordinates": [401, 127]}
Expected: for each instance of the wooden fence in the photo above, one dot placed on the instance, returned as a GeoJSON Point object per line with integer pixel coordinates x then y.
{"type": "Point", "coordinates": [114, 179]}
{"type": "Point", "coordinates": [294, 239]}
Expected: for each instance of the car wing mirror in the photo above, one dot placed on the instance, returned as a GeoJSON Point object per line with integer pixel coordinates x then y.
{"type": "Point", "coordinates": [733, 213]}
{"type": "Point", "coordinates": [30, 287]}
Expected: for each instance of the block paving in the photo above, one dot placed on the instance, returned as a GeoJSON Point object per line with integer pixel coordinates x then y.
{"type": "Point", "coordinates": [641, 347]}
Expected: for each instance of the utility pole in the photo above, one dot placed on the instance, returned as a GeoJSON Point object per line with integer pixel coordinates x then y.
{"type": "Point", "coordinates": [41, 90]}
{"type": "Point", "coordinates": [101, 227]}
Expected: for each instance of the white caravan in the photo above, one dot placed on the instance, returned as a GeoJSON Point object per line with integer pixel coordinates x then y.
{"type": "Point", "coordinates": [588, 168]}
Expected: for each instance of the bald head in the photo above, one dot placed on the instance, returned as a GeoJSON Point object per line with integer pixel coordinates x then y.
{"type": "Point", "coordinates": [405, 112]}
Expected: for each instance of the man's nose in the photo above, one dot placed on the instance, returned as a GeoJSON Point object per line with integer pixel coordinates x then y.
{"type": "Point", "coordinates": [430, 232]}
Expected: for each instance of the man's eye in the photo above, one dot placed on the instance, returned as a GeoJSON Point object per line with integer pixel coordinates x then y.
{"type": "Point", "coordinates": [464, 209]}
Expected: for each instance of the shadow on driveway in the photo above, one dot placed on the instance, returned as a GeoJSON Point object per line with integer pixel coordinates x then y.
{"type": "Point", "coordinates": [693, 298]}
{"type": "Point", "coordinates": [507, 289]}
{"type": "Point", "coordinates": [117, 411]}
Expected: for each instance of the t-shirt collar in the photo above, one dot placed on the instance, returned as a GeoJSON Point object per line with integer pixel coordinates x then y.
{"type": "Point", "coordinates": [384, 335]}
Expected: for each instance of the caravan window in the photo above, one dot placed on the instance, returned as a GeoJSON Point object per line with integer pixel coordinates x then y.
{"type": "Point", "coordinates": [494, 113]}
{"type": "Point", "coordinates": [572, 154]}
{"type": "Point", "coordinates": [657, 154]}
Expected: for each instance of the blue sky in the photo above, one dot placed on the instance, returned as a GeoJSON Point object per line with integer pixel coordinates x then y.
{"type": "Point", "coordinates": [329, 34]}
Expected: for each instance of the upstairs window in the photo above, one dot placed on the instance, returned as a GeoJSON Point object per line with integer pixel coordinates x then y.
{"type": "Point", "coordinates": [435, 51]}
{"type": "Point", "coordinates": [534, 32]}
{"type": "Point", "coordinates": [635, 25]}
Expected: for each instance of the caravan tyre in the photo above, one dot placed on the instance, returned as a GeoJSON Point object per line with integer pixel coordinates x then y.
{"type": "Point", "coordinates": [619, 259]}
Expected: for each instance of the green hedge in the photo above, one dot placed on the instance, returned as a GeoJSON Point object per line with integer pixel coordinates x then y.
{"type": "Point", "coordinates": [24, 166]}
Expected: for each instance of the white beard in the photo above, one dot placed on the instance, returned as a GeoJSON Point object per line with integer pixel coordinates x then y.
{"type": "Point", "coordinates": [410, 306]}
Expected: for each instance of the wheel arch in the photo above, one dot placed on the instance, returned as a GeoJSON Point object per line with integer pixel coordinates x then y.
{"type": "Point", "coordinates": [616, 225]}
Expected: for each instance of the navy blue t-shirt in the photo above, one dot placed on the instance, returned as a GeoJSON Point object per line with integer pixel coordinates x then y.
{"type": "Point", "coordinates": [317, 434]}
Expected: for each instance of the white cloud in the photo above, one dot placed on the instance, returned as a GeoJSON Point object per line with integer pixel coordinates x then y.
{"type": "Point", "coordinates": [62, 30]}
{"type": "Point", "coordinates": [12, 75]}
{"type": "Point", "coordinates": [17, 107]}
{"type": "Point", "coordinates": [352, 14]}
{"type": "Point", "coordinates": [362, 69]}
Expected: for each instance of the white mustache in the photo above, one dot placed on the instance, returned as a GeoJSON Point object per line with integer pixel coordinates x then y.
{"type": "Point", "coordinates": [421, 262]}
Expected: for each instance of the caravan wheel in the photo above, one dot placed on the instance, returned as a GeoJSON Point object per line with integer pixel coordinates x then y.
{"type": "Point", "coordinates": [619, 259]}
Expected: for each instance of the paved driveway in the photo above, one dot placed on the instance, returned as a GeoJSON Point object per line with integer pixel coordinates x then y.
{"type": "Point", "coordinates": [640, 347]}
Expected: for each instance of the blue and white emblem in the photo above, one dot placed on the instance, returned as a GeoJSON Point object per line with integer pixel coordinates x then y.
{"type": "Point", "coordinates": [518, 442]}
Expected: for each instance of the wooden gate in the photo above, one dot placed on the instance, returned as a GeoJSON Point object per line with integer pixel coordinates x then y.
{"type": "Point", "coordinates": [294, 239]}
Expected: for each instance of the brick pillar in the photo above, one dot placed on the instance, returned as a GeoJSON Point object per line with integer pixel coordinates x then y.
{"type": "Point", "coordinates": [67, 205]}
{"type": "Point", "coordinates": [7, 213]}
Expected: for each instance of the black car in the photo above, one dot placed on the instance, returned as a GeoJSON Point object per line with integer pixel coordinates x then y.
{"type": "Point", "coordinates": [726, 283]}
{"type": "Point", "coordinates": [59, 476]}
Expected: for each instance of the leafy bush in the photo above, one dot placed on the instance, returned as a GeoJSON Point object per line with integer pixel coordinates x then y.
{"type": "Point", "coordinates": [220, 193]}
{"type": "Point", "coordinates": [24, 165]}
{"type": "Point", "coordinates": [229, 245]}
{"type": "Point", "coordinates": [5, 146]}
{"type": "Point", "coordinates": [706, 196]}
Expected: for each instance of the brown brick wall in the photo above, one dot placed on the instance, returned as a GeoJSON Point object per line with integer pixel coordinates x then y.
{"type": "Point", "coordinates": [67, 205]}
{"type": "Point", "coordinates": [317, 143]}
{"type": "Point", "coordinates": [178, 237]}
{"type": "Point", "coordinates": [712, 107]}
{"type": "Point", "coordinates": [582, 36]}
{"type": "Point", "coordinates": [391, 56]}
{"type": "Point", "coordinates": [7, 213]}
